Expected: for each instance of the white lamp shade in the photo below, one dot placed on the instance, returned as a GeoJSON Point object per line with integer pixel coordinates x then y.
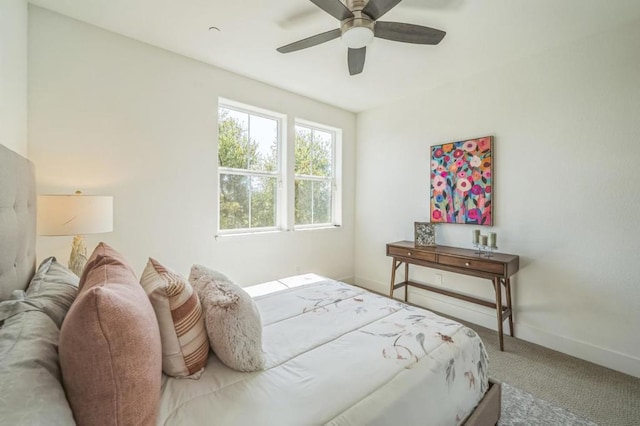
{"type": "Point", "coordinates": [74, 214]}
{"type": "Point", "coordinates": [357, 37]}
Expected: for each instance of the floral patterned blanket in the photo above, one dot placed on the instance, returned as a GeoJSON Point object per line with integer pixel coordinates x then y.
{"type": "Point", "coordinates": [339, 355]}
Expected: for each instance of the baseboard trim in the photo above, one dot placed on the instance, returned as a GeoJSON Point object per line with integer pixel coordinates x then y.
{"type": "Point", "coordinates": [349, 279]}
{"type": "Point", "coordinates": [609, 358]}
{"type": "Point", "coordinates": [486, 317]}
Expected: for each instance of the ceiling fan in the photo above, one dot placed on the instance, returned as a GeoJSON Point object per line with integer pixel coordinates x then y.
{"type": "Point", "coordinates": [359, 25]}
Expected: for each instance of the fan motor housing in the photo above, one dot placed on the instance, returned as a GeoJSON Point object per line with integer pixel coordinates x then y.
{"type": "Point", "coordinates": [359, 20]}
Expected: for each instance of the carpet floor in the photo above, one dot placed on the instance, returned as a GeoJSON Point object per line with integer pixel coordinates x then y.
{"type": "Point", "coordinates": [522, 408]}
{"type": "Point", "coordinates": [602, 395]}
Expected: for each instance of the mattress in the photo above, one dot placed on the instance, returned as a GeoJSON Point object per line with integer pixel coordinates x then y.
{"type": "Point", "coordinates": [339, 355]}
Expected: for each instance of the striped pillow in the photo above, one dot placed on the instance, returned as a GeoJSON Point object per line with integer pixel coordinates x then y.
{"type": "Point", "coordinates": [185, 346]}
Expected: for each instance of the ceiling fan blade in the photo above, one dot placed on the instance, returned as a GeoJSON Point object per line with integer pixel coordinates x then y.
{"type": "Point", "coordinates": [310, 41]}
{"type": "Point", "coordinates": [376, 8]}
{"type": "Point", "coordinates": [335, 8]}
{"type": "Point", "coordinates": [408, 33]}
{"type": "Point", "coordinates": [356, 60]}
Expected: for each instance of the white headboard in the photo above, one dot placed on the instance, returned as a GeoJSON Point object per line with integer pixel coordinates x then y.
{"type": "Point", "coordinates": [17, 222]}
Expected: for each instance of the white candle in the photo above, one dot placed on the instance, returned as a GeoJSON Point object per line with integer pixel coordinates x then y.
{"type": "Point", "coordinates": [476, 236]}
{"type": "Point", "coordinates": [492, 239]}
{"type": "Point", "coordinates": [483, 240]}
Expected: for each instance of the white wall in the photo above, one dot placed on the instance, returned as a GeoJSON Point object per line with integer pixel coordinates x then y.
{"type": "Point", "coordinates": [110, 115]}
{"type": "Point", "coordinates": [13, 75]}
{"type": "Point", "coordinates": [567, 129]}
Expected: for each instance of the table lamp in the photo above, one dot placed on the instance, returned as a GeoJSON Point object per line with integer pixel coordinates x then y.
{"type": "Point", "coordinates": [75, 215]}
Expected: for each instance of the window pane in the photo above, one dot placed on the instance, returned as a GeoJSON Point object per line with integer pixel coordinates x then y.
{"type": "Point", "coordinates": [263, 202]}
{"type": "Point", "coordinates": [314, 156]}
{"type": "Point", "coordinates": [232, 138]}
{"type": "Point", "coordinates": [234, 201]}
{"type": "Point", "coordinates": [249, 143]}
{"type": "Point", "coordinates": [304, 202]}
{"type": "Point", "coordinates": [263, 145]}
{"type": "Point", "coordinates": [321, 202]}
{"type": "Point", "coordinates": [303, 151]}
{"type": "Point", "coordinates": [313, 202]}
{"type": "Point", "coordinates": [322, 153]}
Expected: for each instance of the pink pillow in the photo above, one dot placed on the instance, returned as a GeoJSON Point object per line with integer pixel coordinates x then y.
{"type": "Point", "coordinates": [110, 350]}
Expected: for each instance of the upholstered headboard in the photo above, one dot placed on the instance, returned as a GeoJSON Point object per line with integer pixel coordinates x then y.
{"type": "Point", "coordinates": [17, 222]}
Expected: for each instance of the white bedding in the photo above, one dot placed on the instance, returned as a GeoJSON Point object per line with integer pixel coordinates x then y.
{"type": "Point", "coordinates": [339, 355]}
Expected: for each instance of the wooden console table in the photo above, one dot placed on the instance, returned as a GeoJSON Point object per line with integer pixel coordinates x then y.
{"type": "Point", "coordinates": [498, 268]}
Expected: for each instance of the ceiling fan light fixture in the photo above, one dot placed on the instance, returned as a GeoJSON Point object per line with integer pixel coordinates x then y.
{"type": "Point", "coordinates": [359, 25]}
{"type": "Point", "coordinates": [357, 37]}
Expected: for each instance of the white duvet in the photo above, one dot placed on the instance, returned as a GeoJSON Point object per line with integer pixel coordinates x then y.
{"type": "Point", "coordinates": [339, 355]}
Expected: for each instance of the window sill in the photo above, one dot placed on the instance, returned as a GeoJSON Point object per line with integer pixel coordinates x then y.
{"type": "Point", "coordinates": [316, 227]}
{"type": "Point", "coordinates": [271, 232]}
{"type": "Point", "coordinates": [240, 234]}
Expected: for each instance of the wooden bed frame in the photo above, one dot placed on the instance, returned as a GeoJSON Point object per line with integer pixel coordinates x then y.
{"type": "Point", "coordinates": [488, 410]}
{"type": "Point", "coordinates": [17, 253]}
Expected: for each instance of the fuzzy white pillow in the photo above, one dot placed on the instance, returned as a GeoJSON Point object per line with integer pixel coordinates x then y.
{"type": "Point", "coordinates": [232, 320]}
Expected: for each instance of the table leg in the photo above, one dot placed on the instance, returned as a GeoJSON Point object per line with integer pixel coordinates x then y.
{"type": "Point", "coordinates": [507, 285]}
{"type": "Point", "coordinates": [406, 279]}
{"type": "Point", "coordinates": [498, 288]}
{"type": "Point", "coordinates": [393, 276]}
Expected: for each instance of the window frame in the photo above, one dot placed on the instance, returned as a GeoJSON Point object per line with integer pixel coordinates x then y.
{"type": "Point", "coordinates": [279, 174]}
{"type": "Point", "coordinates": [335, 179]}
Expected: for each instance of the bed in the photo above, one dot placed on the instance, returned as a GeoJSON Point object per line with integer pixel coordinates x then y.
{"type": "Point", "coordinates": [335, 354]}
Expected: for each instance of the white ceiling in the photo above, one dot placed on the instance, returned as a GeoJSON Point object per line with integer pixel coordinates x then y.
{"type": "Point", "coordinates": [481, 34]}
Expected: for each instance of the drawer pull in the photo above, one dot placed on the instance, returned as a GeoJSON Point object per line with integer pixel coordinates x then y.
{"type": "Point", "coordinates": [408, 253]}
{"type": "Point", "coordinates": [467, 264]}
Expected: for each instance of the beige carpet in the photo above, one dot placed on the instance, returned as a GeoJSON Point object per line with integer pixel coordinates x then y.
{"type": "Point", "coordinates": [604, 396]}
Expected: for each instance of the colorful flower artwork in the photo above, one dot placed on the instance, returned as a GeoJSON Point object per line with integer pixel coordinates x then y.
{"type": "Point", "coordinates": [462, 182]}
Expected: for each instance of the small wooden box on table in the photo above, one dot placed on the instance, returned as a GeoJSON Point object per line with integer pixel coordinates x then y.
{"type": "Point", "coordinates": [499, 268]}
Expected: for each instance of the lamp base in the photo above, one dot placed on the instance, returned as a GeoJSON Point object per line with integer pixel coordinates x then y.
{"type": "Point", "coordinates": [78, 257]}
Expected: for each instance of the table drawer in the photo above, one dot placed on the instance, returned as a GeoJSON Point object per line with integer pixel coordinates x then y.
{"type": "Point", "coordinates": [473, 264]}
{"type": "Point", "coordinates": [414, 254]}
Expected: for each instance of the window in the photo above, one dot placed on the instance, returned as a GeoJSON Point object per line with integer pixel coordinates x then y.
{"type": "Point", "coordinates": [316, 187]}
{"type": "Point", "coordinates": [249, 147]}
{"type": "Point", "coordinates": [266, 184]}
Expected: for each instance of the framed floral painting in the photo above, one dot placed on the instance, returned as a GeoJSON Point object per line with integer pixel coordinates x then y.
{"type": "Point", "coordinates": [462, 182]}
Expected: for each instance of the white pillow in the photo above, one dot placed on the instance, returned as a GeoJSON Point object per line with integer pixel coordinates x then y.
{"type": "Point", "coordinates": [232, 320]}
